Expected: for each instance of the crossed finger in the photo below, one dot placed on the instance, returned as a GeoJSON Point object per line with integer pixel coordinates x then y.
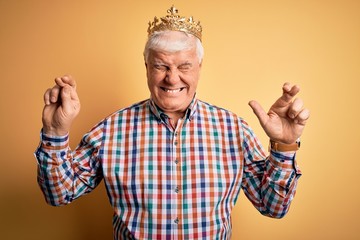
{"type": "Point", "coordinates": [52, 94]}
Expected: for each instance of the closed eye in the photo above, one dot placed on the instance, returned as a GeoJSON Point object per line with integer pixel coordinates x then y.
{"type": "Point", "coordinates": [160, 67]}
{"type": "Point", "coordinates": [185, 67]}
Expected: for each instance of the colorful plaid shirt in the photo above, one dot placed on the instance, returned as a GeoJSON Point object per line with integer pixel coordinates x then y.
{"type": "Point", "coordinates": [169, 182]}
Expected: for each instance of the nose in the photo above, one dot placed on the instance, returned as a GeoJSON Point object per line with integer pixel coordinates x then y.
{"type": "Point", "coordinates": [172, 76]}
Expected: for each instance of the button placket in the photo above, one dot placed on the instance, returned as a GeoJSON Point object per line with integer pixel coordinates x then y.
{"type": "Point", "coordinates": [177, 175]}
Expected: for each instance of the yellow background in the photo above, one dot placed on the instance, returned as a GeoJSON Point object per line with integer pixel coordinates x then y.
{"type": "Point", "coordinates": [251, 48]}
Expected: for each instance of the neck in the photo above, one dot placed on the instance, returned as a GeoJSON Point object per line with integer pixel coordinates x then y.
{"type": "Point", "coordinates": [174, 117]}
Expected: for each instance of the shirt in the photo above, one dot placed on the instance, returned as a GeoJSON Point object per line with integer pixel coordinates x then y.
{"type": "Point", "coordinates": [169, 182]}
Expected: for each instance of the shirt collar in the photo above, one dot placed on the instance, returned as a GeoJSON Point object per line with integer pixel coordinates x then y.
{"type": "Point", "coordinates": [160, 115]}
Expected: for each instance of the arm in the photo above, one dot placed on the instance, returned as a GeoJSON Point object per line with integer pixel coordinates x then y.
{"type": "Point", "coordinates": [270, 183]}
{"type": "Point", "coordinates": [64, 175]}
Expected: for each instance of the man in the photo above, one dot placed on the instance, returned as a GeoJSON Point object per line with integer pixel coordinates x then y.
{"type": "Point", "coordinates": [173, 165]}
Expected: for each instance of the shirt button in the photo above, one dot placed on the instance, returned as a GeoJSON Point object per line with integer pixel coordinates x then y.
{"type": "Point", "coordinates": [175, 143]}
{"type": "Point", "coordinates": [176, 220]}
{"type": "Point", "coordinates": [177, 189]}
{"type": "Point", "coordinates": [176, 161]}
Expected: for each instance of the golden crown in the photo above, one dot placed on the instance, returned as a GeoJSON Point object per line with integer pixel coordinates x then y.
{"type": "Point", "coordinates": [174, 22]}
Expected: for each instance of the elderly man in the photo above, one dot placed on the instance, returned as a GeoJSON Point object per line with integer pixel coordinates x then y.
{"type": "Point", "coordinates": [173, 165]}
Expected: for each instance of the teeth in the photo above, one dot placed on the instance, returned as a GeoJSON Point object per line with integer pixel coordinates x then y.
{"type": "Point", "coordinates": [173, 91]}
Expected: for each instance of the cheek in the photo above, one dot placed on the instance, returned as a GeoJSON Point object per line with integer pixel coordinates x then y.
{"type": "Point", "coordinates": [194, 80]}
{"type": "Point", "coordinates": [194, 87]}
{"type": "Point", "coordinates": [153, 79]}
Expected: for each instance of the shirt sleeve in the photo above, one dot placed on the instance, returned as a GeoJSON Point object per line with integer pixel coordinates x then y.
{"type": "Point", "coordinates": [64, 175]}
{"type": "Point", "coordinates": [269, 182]}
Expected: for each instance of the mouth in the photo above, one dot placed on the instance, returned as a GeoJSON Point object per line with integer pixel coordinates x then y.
{"type": "Point", "coordinates": [177, 90]}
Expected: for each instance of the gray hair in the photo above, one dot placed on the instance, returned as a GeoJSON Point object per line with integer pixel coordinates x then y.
{"type": "Point", "coordinates": [159, 41]}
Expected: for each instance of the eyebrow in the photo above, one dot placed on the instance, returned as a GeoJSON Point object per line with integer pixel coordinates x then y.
{"type": "Point", "coordinates": [161, 63]}
{"type": "Point", "coordinates": [158, 63]}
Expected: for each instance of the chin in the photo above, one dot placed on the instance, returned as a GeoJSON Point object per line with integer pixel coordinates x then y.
{"type": "Point", "coordinates": [171, 107]}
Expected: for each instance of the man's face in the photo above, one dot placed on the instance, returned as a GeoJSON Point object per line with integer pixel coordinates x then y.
{"type": "Point", "coordinates": [172, 79]}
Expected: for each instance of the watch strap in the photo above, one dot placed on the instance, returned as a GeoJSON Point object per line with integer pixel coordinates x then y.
{"type": "Point", "coordinates": [281, 147]}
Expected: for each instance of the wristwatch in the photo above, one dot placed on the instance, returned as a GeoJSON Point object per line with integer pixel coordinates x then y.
{"type": "Point", "coordinates": [281, 147]}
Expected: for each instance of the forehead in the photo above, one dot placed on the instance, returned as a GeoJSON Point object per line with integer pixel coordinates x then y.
{"type": "Point", "coordinates": [178, 57]}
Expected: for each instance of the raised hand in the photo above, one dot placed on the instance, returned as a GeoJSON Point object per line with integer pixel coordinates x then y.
{"type": "Point", "coordinates": [62, 105]}
{"type": "Point", "coordinates": [286, 119]}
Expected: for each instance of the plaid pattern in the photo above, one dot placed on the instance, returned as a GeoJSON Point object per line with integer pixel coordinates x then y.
{"type": "Point", "coordinates": [165, 182]}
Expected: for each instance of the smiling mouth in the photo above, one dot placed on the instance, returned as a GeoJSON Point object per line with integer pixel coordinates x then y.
{"type": "Point", "coordinates": [172, 90]}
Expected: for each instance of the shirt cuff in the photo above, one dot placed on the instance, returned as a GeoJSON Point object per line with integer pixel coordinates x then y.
{"type": "Point", "coordinates": [56, 143]}
{"type": "Point", "coordinates": [284, 161]}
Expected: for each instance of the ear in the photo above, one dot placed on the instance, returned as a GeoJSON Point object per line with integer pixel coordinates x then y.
{"type": "Point", "coordinates": [146, 67]}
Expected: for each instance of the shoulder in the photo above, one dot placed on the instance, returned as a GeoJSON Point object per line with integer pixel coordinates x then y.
{"type": "Point", "coordinates": [121, 119]}
{"type": "Point", "coordinates": [132, 110]}
{"type": "Point", "coordinates": [127, 114]}
{"type": "Point", "coordinates": [212, 111]}
{"type": "Point", "coordinates": [208, 108]}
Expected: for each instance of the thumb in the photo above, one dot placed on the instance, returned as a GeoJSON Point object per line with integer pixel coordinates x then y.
{"type": "Point", "coordinates": [259, 112]}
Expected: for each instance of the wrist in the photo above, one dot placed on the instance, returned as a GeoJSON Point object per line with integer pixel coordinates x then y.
{"type": "Point", "coordinates": [54, 132]}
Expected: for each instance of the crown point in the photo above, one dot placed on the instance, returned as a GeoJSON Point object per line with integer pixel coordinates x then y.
{"type": "Point", "coordinates": [174, 22]}
{"type": "Point", "coordinates": [173, 10]}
